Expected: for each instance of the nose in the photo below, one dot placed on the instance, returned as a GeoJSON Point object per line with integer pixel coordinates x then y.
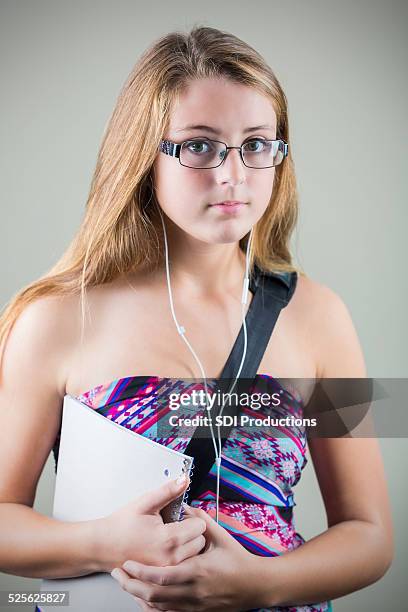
{"type": "Point", "coordinates": [232, 170]}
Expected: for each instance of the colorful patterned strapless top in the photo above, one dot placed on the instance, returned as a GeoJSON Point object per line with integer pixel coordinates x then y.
{"type": "Point", "coordinates": [257, 472]}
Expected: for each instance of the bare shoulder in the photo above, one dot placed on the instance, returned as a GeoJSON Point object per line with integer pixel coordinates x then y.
{"type": "Point", "coordinates": [32, 387]}
{"type": "Point", "coordinates": [330, 329]}
{"type": "Point", "coordinates": [315, 295]}
{"type": "Point", "coordinates": [42, 337]}
{"type": "Point", "coordinates": [50, 330]}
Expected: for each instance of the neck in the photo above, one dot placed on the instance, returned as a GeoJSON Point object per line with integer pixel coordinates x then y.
{"type": "Point", "coordinates": [202, 268]}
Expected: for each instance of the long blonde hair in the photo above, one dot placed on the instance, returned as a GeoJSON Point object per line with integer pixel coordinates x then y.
{"type": "Point", "coordinates": [119, 232]}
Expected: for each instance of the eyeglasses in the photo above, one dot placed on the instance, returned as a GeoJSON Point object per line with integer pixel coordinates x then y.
{"type": "Point", "coordinates": [205, 153]}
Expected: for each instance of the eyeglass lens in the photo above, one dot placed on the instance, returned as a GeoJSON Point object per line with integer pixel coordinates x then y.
{"type": "Point", "coordinates": [204, 153]}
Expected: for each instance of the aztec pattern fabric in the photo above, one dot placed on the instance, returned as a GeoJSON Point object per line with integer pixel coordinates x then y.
{"type": "Point", "coordinates": [258, 471]}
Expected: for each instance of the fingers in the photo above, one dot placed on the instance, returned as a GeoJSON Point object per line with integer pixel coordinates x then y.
{"type": "Point", "coordinates": [153, 501]}
{"type": "Point", "coordinates": [171, 575]}
{"type": "Point", "coordinates": [143, 605]}
{"type": "Point", "coordinates": [165, 607]}
{"type": "Point", "coordinates": [184, 539]}
{"type": "Point", "coordinates": [186, 530]}
{"type": "Point", "coordinates": [190, 549]}
{"type": "Point", "coordinates": [171, 589]}
{"type": "Point", "coordinates": [213, 530]}
{"type": "Point", "coordinates": [197, 512]}
{"type": "Point", "coordinates": [154, 594]}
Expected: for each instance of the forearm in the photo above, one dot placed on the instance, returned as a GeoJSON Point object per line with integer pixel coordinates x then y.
{"type": "Point", "coordinates": [343, 559]}
{"type": "Point", "coordinates": [36, 546]}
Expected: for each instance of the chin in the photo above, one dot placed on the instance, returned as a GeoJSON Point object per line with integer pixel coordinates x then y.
{"type": "Point", "coordinates": [226, 235]}
{"type": "Point", "coordinates": [227, 232]}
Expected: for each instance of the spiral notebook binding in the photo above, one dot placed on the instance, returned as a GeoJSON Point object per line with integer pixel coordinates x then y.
{"type": "Point", "coordinates": [185, 496]}
{"type": "Point", "coordinates": [178, 516]}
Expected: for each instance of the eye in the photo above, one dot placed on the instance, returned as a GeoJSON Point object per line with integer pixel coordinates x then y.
{"type": "Point", "coordinates": [256, 145]}
{"type": "Point", "coordinates": [198, 146]}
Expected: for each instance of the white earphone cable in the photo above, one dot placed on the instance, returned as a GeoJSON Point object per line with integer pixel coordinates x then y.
{"type": "Point", "coordinates": [181, 331]}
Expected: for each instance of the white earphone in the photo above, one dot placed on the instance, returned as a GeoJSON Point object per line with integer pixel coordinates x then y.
{"type": "Point", "coordinates": [182, 331]}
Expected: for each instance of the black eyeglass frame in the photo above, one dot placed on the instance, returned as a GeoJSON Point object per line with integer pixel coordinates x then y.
{"type": "Point", "coordinates": [174, 149]}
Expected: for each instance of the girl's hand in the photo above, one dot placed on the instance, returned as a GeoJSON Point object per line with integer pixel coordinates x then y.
{"type": "Point", "coordinates": [137, 531]}
{"type": "Point", "coordinates": [222, 578]}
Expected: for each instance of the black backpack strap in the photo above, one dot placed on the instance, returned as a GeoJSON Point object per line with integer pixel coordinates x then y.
{"type": "Point", "coordinates": [272, 292]}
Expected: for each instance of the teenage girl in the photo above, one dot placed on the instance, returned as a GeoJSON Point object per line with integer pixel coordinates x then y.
{"type": "Point", "coordinates": [196, 159]}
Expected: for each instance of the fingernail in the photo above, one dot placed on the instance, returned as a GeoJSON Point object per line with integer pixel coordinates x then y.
{"type": "Point", "coordinates": [115, 574]}
{"type": "Point", "coordinates": [181, 480]}
{"type": "Point", "coordinates": [127, 565]}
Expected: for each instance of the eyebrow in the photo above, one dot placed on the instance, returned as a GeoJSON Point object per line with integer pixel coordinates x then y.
{"type": "Point", "coordinates": [218, 132]}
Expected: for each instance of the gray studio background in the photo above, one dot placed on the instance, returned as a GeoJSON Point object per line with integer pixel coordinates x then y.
{"type": "Point", "coordinates": [343, 68]}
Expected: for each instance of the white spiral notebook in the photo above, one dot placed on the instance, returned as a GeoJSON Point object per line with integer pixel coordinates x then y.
{"type": "Point", "coordinates": [102, 466]}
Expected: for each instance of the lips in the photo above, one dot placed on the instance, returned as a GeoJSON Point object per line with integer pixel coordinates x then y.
{"type": "Point", "coordinates": [229, 207]}
{"type": "Point", "coordinates": [228, 203]}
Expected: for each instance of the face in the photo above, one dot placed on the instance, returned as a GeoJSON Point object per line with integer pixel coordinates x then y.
{"type": "Point", "coordinates": [188, 196]}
